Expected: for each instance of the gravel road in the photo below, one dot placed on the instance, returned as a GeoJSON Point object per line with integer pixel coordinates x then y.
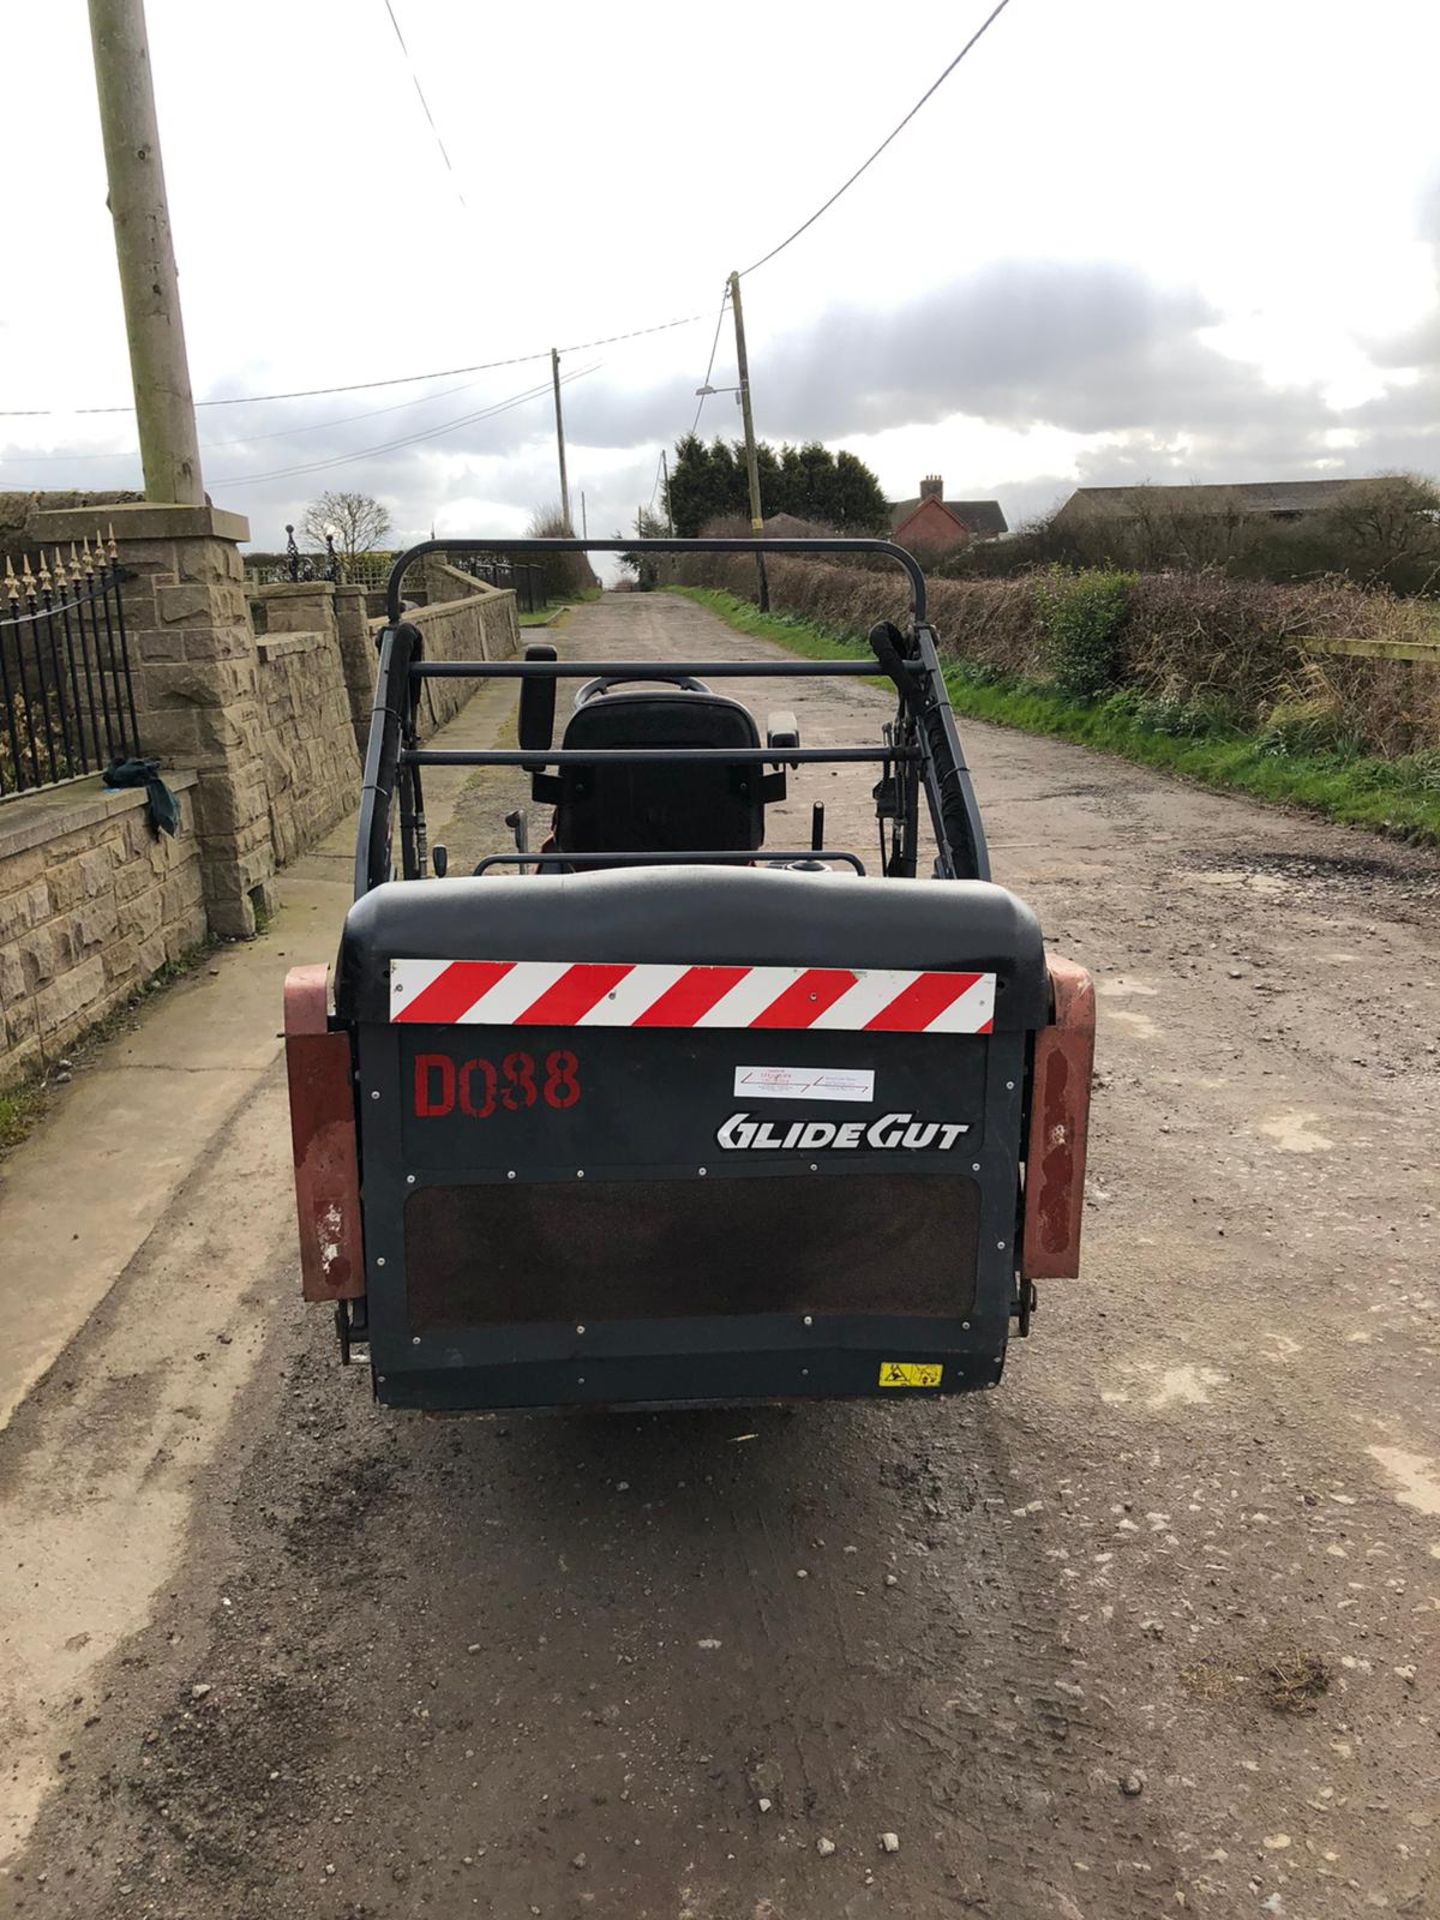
{"type": "Point", "coordinates": [1152, 1629]}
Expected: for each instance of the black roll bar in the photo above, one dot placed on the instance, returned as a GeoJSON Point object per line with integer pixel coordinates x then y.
{"type": "Point", "coordinates": [923, 747]}
{"type": "Point", "coordinates": [806, 549]}
{"type": "Point", "coordinates": [648, 669]}
{"type": "Point", "coordinates": [536, 758]}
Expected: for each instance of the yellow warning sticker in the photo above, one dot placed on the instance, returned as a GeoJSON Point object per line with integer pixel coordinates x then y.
{"type": "Point", "coordinates": [909, 1373]}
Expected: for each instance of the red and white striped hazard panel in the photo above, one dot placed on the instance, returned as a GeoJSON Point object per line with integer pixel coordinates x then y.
{"type": "Point", "coordinates": [557, 993]}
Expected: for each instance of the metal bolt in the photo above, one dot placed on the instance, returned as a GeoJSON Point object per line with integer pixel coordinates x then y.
{"type": "Point", "coordinates": [414, 1339]}
{"type": "Point", "coordinates": [579, 1173]}
{"type": "Point", "coordinates": [974, 1166]}
{"type": "Point", "coordinates": [814, 1167]}
{"type": "Point", "coordinates": [511, 1174]}
{"type": "Point", "coordinates": [1001, 1245]}
{"type": "Point", "coordinates": [379, 1259]}
{"type": "Point", "coordinates": [702, 1173]}
{"type": "Point", "coordinates": [964, 1326]}
{"type": "Point", "coordinates": [1010, 1086]}
{"type": "Point", "coordinates": [580, 1380]}
{"type": "Point", "coordinates": [375, 1094]}
{"type": "Point", "coordinates": [804, 1373]}
{"type": "Point", "coordinates": [809, 1319]}
{"type": "Point", "coordinates": [579, 1329]}
{"type": "Point", "coordinates": [409, 1179]}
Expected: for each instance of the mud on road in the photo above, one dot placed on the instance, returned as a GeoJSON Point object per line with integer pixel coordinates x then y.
{"type": "Point", "coordinates": [1151, 1630]}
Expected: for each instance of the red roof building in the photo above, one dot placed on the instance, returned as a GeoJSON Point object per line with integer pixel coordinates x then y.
{"type": "Point", "coordinates": [933, 524]}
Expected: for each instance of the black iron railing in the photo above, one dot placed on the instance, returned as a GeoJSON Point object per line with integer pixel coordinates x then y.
{"type": "Point", "coordinates": [527, 581]}
{"type": "Point", "coordinates": [310, 566]}
{"type": "Point", "coordinates": [67, 701]}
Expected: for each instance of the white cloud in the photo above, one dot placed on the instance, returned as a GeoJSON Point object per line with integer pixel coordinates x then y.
{"type": "Point", "coordinates": [1132, 240]}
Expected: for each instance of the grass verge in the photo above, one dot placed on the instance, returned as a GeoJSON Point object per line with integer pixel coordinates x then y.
{"type": "Point", "coordinates": [20, 1108]}
{"type": "Point", "coordinates": [1399, 797]}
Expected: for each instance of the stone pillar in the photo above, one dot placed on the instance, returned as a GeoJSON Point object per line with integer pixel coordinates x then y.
{"type": "Point", "coordinates": [358, 654]}
{"type": "Point", "coordinates": [298, 606]}
{"type": "Point", "coordinates": [192, 654]}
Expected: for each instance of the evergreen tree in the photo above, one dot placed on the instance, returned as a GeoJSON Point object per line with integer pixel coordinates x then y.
{"type": "Point", "coordinates": [709, 483]}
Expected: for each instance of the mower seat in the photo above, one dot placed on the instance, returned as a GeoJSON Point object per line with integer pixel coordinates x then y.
{"type": "Point", "coordinates": [685, 806]}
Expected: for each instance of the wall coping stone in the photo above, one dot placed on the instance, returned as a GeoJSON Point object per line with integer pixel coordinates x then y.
{"type": "Point", "coordinates": [433, 609]}
{"type": "Point", "coordinates": [471, 584]}
{"type": "Point", "coordinates": [146, 520]}
{"type": "Point", "coordinates": [293, 589]}
{"type": "Point", "coordinates": [274, 646]}
{"type": "Point", "coordinates": [30, 819]}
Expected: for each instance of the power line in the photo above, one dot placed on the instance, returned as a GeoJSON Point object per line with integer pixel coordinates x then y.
{"type": "Point", "coordinates": [710, 363]}
{"type": "Point", "coordinates": [367, 386]}
{"type": "Point", "coordinates": [425, 105]}
{"type": "Point", "coordinates": [521, 359]}
{"type": "Point", "coordinates": [406, 440]}
{"type": "Point", "coordinates": [254, 439]}
{"type": "Point", "coordinates": [864, 166]}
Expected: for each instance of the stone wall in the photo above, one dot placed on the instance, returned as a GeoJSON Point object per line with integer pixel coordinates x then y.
{"type": "Point", "coordinates": [463, 619]}
{"type": "Point", "coordinates": [92, 905]}
{"type": "Point", "coordinates": [312, 762]}
{"type": "Point", "coordinates": [312, 769]}
{"type": "Point", "coordinates": [262, 737]}
{"type": "Point", "coordinates": [194, 669]}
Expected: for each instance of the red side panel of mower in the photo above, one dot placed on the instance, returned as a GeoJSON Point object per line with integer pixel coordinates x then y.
{"type": "Point", "coordinates": [319, 1063]}
{"type": "Point", "coordinates": [1062, 1065]}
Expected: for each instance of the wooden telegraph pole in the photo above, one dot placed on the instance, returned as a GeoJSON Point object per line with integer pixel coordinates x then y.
{"type": "Point", "coordinates": [149, 285]}
{"type": "Point", "coordinates": [560, 440]}
{"type": "Point", "coordinates": [752, 458]}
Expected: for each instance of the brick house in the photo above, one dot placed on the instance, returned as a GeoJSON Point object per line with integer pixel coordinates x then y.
{"type": "Point", "coordinates": [937, 525]}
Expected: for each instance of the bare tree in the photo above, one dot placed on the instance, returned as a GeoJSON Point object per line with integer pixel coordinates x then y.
{"type": "Point", "coordinates": [1387, 531]}
{"type": "Point", "coordinates": [357, 520]}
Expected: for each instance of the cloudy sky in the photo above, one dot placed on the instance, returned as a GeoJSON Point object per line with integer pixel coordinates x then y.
{"type": "Point", "coordinates": [1127, 240]}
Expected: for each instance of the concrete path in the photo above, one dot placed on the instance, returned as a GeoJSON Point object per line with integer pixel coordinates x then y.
{"type": "Point", "coordinates": [137, 1223]}
{"type": "Point", "coordinates": [136, 1122]}
{"type": "Point", "coordinates": [1153, 1629]}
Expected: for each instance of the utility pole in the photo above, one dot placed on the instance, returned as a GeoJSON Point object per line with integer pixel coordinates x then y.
{"type": "Point", "coordinates": [669, 516]}
{"type": "Point", "coordinates": [149, 285]}
{"type": "Point", "coordinates": [752, 458]}
{"type": "Point", "coordinates": [560, 440]}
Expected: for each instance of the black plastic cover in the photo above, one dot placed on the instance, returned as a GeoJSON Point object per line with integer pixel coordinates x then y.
{"type": "Point", "coordinates": [726, 916]}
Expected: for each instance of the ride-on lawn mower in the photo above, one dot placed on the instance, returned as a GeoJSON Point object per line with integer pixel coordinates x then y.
{"type": "Point", "coordinates": [661, 1115]}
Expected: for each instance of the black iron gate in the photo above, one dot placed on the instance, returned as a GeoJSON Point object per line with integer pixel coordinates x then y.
{"type": "Point", "coordinates": [526, 580]}
{"type": "Point", "coordinates": [67, 702]}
